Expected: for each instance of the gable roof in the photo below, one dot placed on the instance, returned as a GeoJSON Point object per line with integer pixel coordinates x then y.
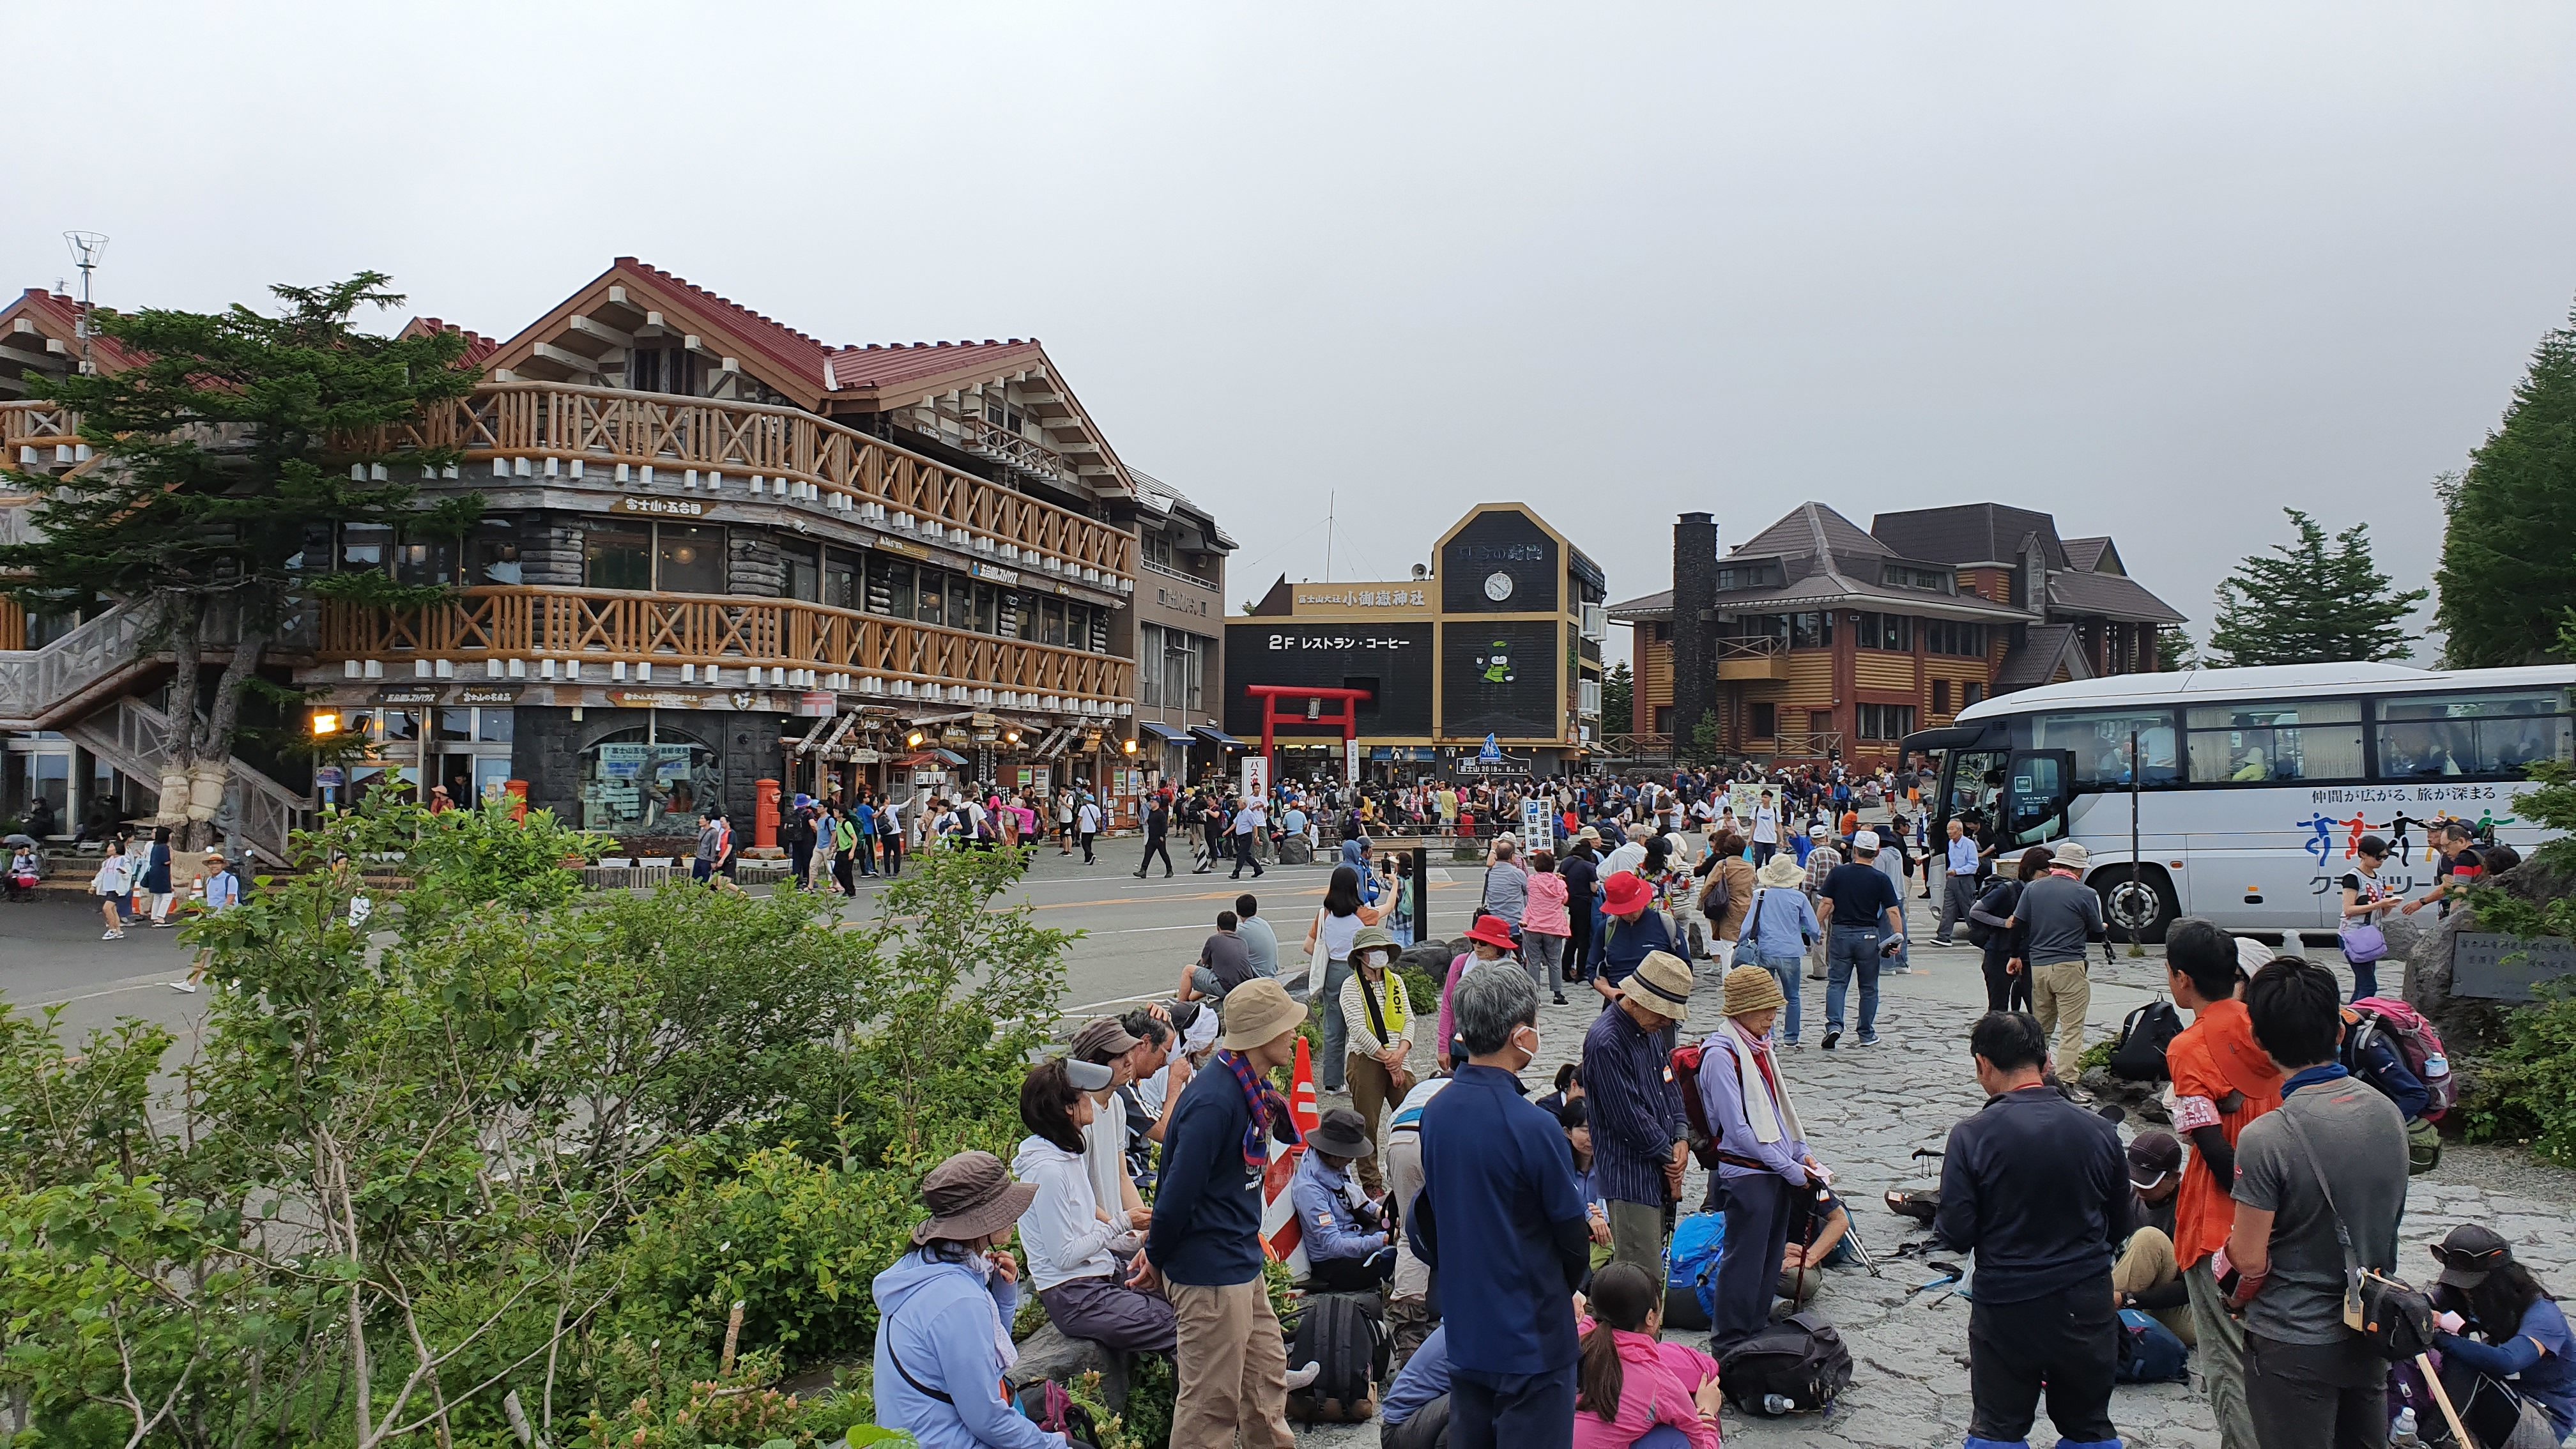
{"type": "Point", "coordinates": [2087, 554]}
{"type": "Point", "coordinates": [41, 330]}
{"type": "Point", "coordinates": [2113, 596]}
{"type": "Point", "coordinates": [1812, 529]}
{"type": "Point", "coordinates": [478, 348]}
{"type": "Point", "coordinates": [893, 373]}
{"type": "Point", "coordinates": [1966, 533]}
{"type": "Point", "coordinates": [2036, 662]}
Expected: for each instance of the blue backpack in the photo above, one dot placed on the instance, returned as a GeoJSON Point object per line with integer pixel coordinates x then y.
{"type": "Point", "coordinates": [1690, 1271]}
{"type": "Point", "coordinates": [2150, 1353]}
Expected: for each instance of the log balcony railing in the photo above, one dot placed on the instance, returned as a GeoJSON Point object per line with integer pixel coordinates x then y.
{"type": "Point", "coordinates": [552, 429]}
{"type": "Point", "coordinates": [40, 437]}
{"type": "Point", "coordinates": [606, 635]}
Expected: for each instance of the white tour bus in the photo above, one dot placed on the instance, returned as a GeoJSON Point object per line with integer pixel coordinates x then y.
{"type": "Point", "coordinates": [2256, 783]}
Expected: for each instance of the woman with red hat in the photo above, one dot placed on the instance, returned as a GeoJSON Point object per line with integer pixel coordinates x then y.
{"type": "Point", "coordinates": [1632, 929]}
{"type": "Point", "coordinates": [1489, 941]}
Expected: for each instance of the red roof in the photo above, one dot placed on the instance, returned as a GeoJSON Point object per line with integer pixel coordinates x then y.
{"type": "Point", "coordinates": [477, 346]}
{"type": "Point", "coordinates": [58, 316]}
{"type": "Point", "coordinates": [879, 365]}
{"type": "Point", "coordinates": [784, 344]}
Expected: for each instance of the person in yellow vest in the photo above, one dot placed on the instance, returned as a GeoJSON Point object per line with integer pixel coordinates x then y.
{"type": "Point", "coordinates": [1377, 1022]}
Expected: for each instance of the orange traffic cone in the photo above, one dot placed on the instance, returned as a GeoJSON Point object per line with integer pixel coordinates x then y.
{"type": "Point", "coordinates": [1301, 1092]}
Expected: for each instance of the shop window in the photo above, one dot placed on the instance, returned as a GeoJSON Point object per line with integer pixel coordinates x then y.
{"type": "Point", "coordinates": [1051, 621]}
{"type": "Point", "coordinates": [425, 561]}
{"type": "Point", "coordinates": [494, 726]}
{"type": "Point", "coordinates": [1885, 721]}
{"type": "Point", "coordinates": [961, 602]}
{"type": "Point", "coordinates": [616, 556]}
{"type": "Point", "coordinates": [366, 545]}
{"type": "Point", "coordinates": [691, 559]}
{"type": "Point", "coordinates": [840, 579]}
{"type": "Point", "coordinates": [1663, 719]}
{"type": "Point", "coordinates": [803, 571]}
{"type": "Point", "coordinates": [889, 587]}
{"type": "Point", "coordinates": [648, 782]}
{"type": "Point", "coordinates": [1810, 631]}
{"type": "Point", "coordinates": [932, 598]}
{"type": "Point", "coordinates": [1149, 672]}
{"type": "Point", "coordinates": [1894, 632]}
{"type": "Point", "coordinates": [1766, 720]}
{"type": "Point", "coordinates": [456, 724]}
{"type": "Point", "coordinates": [988, 616]}
{"type": "Point", "coordinates": [492, 554]}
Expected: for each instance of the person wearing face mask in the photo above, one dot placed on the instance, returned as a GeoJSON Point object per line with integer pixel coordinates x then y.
{"type": "Point", "coordinates": [1498, 1201]}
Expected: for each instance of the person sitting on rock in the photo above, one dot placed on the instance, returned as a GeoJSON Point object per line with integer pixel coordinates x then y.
{"type": "Point", "coordinates": [2147, 1277]}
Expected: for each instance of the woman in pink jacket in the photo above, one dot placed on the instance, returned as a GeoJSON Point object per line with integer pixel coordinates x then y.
{"type": "Point", "coordinates": [1544, 925]}
{"type": "Point", "coordinates": [1627, 1382]}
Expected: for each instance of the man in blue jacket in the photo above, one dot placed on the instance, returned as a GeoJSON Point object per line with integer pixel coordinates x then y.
{"type": "Point", "coordinates": [1204, 1249]}
{"type": "Point", "coordinates": [1498, 1201]}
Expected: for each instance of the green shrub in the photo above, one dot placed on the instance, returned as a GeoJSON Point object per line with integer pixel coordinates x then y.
{"type": "Point", "coordinates": [2526, 1091]}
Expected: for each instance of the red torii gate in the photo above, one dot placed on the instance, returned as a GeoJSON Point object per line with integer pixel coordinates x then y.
{"type": "Point", "coordinates": [1271, 718]}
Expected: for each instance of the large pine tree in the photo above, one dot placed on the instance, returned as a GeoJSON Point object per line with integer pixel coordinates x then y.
{"type": "Point", "coordinates": [2508, 574]}
{"type": "Point", "coordinates": [2313, 604]}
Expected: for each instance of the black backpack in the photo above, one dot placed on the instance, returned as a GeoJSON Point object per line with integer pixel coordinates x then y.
{"type": "Point", "coordinates": [1346, 1333]}
{"type": "Point", "coordinates": [1796, 1366]}
{"type": "Point", "coordinates": [2140, 1054]}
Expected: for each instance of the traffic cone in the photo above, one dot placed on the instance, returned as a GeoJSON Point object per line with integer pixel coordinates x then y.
{"type": "Point", "coordinates": [1301, 1092]}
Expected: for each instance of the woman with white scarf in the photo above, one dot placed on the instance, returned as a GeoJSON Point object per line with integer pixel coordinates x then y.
{"type": "Point", "coordinates": [1763, 1155]}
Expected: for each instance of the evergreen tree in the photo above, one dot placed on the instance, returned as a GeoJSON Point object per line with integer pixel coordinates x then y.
{"type": "Point", "coordinates": [2174, 650]}
{"type": "Point", "coordinates": [1619, 699]}
{"type": "Point", "coordinates": [2508, 574]}
{"type": "Point", "coordinates": [238, 439]}
{"type": "Point", "coordinates": [2314, 604]}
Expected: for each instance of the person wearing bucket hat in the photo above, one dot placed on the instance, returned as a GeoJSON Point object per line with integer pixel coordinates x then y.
{"type": "Point", "coordinates": [1763, 1157]}
{"type": "Point", "coordinates": [1488, 941]}
{"type": "Point", "coordinates": [1204, 1250]}
{"type": "Point", "coordinates": [1377, 1022]}
{"type": "Point", "coordinates": [1640, 1138]}
{"type": "Point", "coordinates": [1631, 930]}
{"type": "Point", "coordinates": [2514, 1382]}
{"type": "Point", "coordinates": [1778, 923]}
{"type": "Point", "coordinates": [944, 1314]}
{"type": "Point", "coordinates": [1344, 1228]}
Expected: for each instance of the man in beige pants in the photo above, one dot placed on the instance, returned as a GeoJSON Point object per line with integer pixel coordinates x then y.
{"type": "Point", "coordinates": [2062, 916]}
{"type": "Point", "coordinates": [1204, 1249]}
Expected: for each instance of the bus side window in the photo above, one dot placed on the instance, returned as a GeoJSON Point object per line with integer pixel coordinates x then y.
{"type": "Point", "coordinates": [2497, 736]}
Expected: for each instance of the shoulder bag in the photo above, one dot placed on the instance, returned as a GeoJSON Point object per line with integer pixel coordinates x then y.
{"type": "Point", "coordinates": [2388, 1313]}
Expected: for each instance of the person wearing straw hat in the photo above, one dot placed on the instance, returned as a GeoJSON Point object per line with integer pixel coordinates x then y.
{"type": "Point", "coordinates": [1779, 921]}
{"type": "Point", "coordinates": [1204, 1249]}
{"type": "Point", "coordinates": [944, 1314]}
{"type": "Point", "coordinates": [1640, 1137]}
{"type": "Point", "coordinates": [1344, 1229]}
{"type": "Point", "coordinates": [1762, 1151]}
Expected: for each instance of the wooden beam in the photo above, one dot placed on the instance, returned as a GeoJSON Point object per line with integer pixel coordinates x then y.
{"type": "Point", "coordinates": [589, 330]}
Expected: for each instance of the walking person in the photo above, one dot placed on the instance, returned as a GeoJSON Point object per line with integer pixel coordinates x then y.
{"type": "Point", "coordinates": [715, 847]}
{"type": "Point", "coordinates": [845, 850]}
{"type": "Point", "coordinates": [1064, 811]}
{"type": "Point", "coordinates": [155, 880]}
{"type": "Point", "coordinates": [1640, 1137]}
{"type": "Point", "coordinates": [1249, 817]}
{"type": "Point", "coordinates": [1822, 857]}
{"type": "Point", "coordinates": [1728, 894]}
{"type": "Point", "coordinates": [1499, 1205]}
{"type": "Point", "coordinates": [1778, 925]}
{"type": "Point", "coordinates": [1766, 830]}
{"type": "Point", "coordinates": [1204, 1248]}
{"type": "Point", "coordinates": [1377, 1022]}
{"type": "Point", "coordinates": [865, 815]}
{"type": "Point", "coordinates": [2038, 1188]}
{"type": "Point", "coordinates": [1546, 925]}
{"type": "Point", "coordinates": [1862, 914]}
{"type": "Point", "coordinates": [2007, 972]}
{"type": "Point", "coordinates": [1764, 1160]}
{"type": "Point", "coordinates": [1086, 819]}
{"type": "Point", "coordinates": [1582, 871]}
{"type": "Point", "coordinates": [1958, 881]}
{"type": "Point", "coordinates": [890, 828]}
{"type": "Point", "coordinates": [796, 832]}
{"type": "Point", "coordinates": [2063, 916]}
{"type": "Point", "coordinates": [2320, 1186]}
{"type": "Point", "coordinates": [113, 884]}
{"type": "Point", "coordinates": [2222, 1081]}
{"type": "Point", "coordinates": [1158, 829]}
{"type": "Point", "coordinates": [1631, 930]}
{"type": "Point", "coordinates": [944, 1315]}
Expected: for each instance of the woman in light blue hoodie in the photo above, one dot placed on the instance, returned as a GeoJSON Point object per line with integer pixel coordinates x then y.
{"type": "Point", "coordinates": [945, 1309]}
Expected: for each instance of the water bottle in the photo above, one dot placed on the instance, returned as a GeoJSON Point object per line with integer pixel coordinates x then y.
{"type": "Point", "coordinates": [2402, 1432]}
{"type": "Point", "coordinates": [2436, 1067]}
{"type": "Point", "coordinates": [1778, 1404]}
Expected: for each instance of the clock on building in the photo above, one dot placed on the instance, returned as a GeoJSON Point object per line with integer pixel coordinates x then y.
{"type": "Point", "coordinates": [1498, 586]}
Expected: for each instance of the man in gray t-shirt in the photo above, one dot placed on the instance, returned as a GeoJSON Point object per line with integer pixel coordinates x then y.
{"type": "Point", "coordinates": [2060, 914]}
{"type": "Point", "coordinates": [1260, 943]}
{"type": "Point", "coordinates": [2310, 1381]}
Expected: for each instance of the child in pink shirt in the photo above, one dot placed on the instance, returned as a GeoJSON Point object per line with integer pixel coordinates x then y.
{"type": "Point", "coordinates": [1627, 1381]}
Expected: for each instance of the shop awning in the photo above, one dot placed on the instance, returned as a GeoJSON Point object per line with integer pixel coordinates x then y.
{"type": "Point", "coordinates": [1215, 736]}
{"type": "Point", "coordinates": [1155, 729]}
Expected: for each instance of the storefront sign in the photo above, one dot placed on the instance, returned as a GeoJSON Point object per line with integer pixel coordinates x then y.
{"type": "Point", "coordinates": [327, 777]}
{"type": "Point", "coordinates": [667, 507]}
{"type": "Point", "coordinates": [652, 699]}
{"type": "Point", "coordinates": [995, 572]}
{"type": "Point", "coordinates": [409, 694]}
{"type": "Point", "coordinates": [908, 550]}
{"type": "Point", "coordinates": [1180, 602]}
{"type": "Point", "coordinates": [984, 721]}
{"type": "Point", "coordinates": [818, 705]}
{"type": "Point", "coordinates": [867, 757]}
{"type": "Point", "coordinates": [1355, 597]}
{"type": "Point", "coordinates": [1256, 776]}
{"type": "Point", "coordinates": [1350, 761]}
{"type": "Point", "coordinates": [488, 696]}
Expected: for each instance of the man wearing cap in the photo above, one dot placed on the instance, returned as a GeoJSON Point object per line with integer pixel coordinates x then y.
{"type": "Point", "coordinates": [1499, 1206]}
{"type": "Point", "coordinates": [1640, 1138]}
{"type": "Point", "coordinates": [1762, 1151]}
{"type": "Point", "coordinates": [1862, 913]}
{"type": "Point", "coordinates": [1104, 1143]}
{"type": "Point", "coordinates": [1631, 930]}
{"type": "Point", "coordinates": [1342, 1230]}
{"type": "Point", "coordinates": [944, 1315]}
{"type": "Point", "coordinates": [2062, 915]}
{"type": "Point", "coordinates": [1821, 860]}
{"type": "Point", "coordinates": [1204, 1246]}
{"type": "Point", "coordinates": [2146, 1277]}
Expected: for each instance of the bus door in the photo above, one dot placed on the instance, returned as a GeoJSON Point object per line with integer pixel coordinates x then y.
{"type": "Point", "coordinates": [2038, 786]}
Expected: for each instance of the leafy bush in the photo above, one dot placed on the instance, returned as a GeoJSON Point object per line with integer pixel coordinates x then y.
{"type": "Point", "coordinates": [2526, 1092]}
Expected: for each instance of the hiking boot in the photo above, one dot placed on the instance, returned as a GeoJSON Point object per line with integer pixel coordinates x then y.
{"type": "Point", "coordinates": [1833, 1034]}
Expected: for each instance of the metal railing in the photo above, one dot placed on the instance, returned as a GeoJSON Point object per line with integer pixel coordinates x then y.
{"type": "Point", "coordinates": [605, 427]}
{"type": "Point", "coordinates": [134, 737]}
{"type": "Point", "coordinates": [610, 626]}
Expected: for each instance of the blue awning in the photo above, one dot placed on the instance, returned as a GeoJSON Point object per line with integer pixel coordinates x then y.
{"type": "Point", "coordinates": [1215, 736]}
{"type": "Point", "coordinates": [1169, 734]}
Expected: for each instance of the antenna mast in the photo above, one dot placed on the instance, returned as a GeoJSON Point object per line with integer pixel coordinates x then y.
{"type": "Point", "coordinates": [87, 248]}
{"type": "Point", "coordinates": [1329, 498]}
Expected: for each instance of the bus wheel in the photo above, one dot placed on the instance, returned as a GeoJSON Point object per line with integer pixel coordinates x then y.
{"type": "Point", "coordinates": [2136, 904]}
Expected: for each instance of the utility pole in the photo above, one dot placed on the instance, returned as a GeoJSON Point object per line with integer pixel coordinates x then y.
{"type": "Point", "coordinates": [87, 248]}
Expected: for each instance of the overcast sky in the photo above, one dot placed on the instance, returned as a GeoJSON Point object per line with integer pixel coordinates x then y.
{"type": "Point", "coordinates": [2158, 269]}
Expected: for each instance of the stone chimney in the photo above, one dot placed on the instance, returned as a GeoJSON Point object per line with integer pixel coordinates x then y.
{"type": "Point", "coordinates": [1694, 623]}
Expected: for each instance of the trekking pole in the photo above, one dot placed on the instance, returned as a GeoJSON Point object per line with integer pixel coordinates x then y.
{"type": "Point", "coordinates": [2433, 1381]}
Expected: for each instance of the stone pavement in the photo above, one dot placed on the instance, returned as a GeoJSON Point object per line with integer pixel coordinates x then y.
{"type": "Point", "coordinates": [1868, 1110]}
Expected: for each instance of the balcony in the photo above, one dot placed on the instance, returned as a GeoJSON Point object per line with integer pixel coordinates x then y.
{"type": "Point", "coordinates": [40, 437]}
{"type": "Point", "coordinates": [719, 636]}
{"type": "Point", "coordinates": [554, 430]}
{"type": "Point", "coordinates": [1756, 658]}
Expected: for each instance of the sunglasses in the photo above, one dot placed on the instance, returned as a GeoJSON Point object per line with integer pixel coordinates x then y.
{"type": "Point", "coordinates": [2466, 1261]}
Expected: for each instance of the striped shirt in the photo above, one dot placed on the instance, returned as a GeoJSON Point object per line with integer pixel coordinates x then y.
{"type": "Point", "coordinates": [1635, 1114]}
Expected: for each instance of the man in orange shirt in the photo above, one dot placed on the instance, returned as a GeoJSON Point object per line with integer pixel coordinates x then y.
{"type": "Point", "coordinates": [2222, 1080]}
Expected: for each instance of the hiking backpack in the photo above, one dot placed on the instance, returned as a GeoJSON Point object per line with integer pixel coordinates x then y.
{"type": "Point", "coordinates": [1346, 1333]}
{"type": "Point", "coordinates": [1703, 1136]}
{"type": "Point", "coordinates": [1690, 1271]}
{"type": "Point", "coordinates": [2150, 1353]}
{"type": "Point", "coordinates": [1796, 1366]}
{"type": "Point", "coordinates": [2421, 1047]}
{"type": "Point", "coordinates": [1047, 1405]}
{"type": "Point", "coordinates": [2140, 1054]}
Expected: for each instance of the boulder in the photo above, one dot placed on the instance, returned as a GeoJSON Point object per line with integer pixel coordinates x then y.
{"type": "Point", "coordinates": [1294, 850]}
{"type": "Point", "coordinates": [2143, 1100]}
{"type": "Point", "coordinates": [1431, 958]}
{"type": "Point", "coordinates": [1050, 1353]}
{"type": "Point", "coordinates": [2424, 942]}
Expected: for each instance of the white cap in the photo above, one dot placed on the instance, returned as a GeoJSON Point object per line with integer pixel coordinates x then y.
{"type": "Point", "coordinates": [1865, 840]}
{"type": "Point", "coordinates": [1202, 1033]}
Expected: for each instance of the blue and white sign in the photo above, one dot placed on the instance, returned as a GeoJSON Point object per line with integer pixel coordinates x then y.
{"type": "Point", "coordinates": [1492, 753]}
